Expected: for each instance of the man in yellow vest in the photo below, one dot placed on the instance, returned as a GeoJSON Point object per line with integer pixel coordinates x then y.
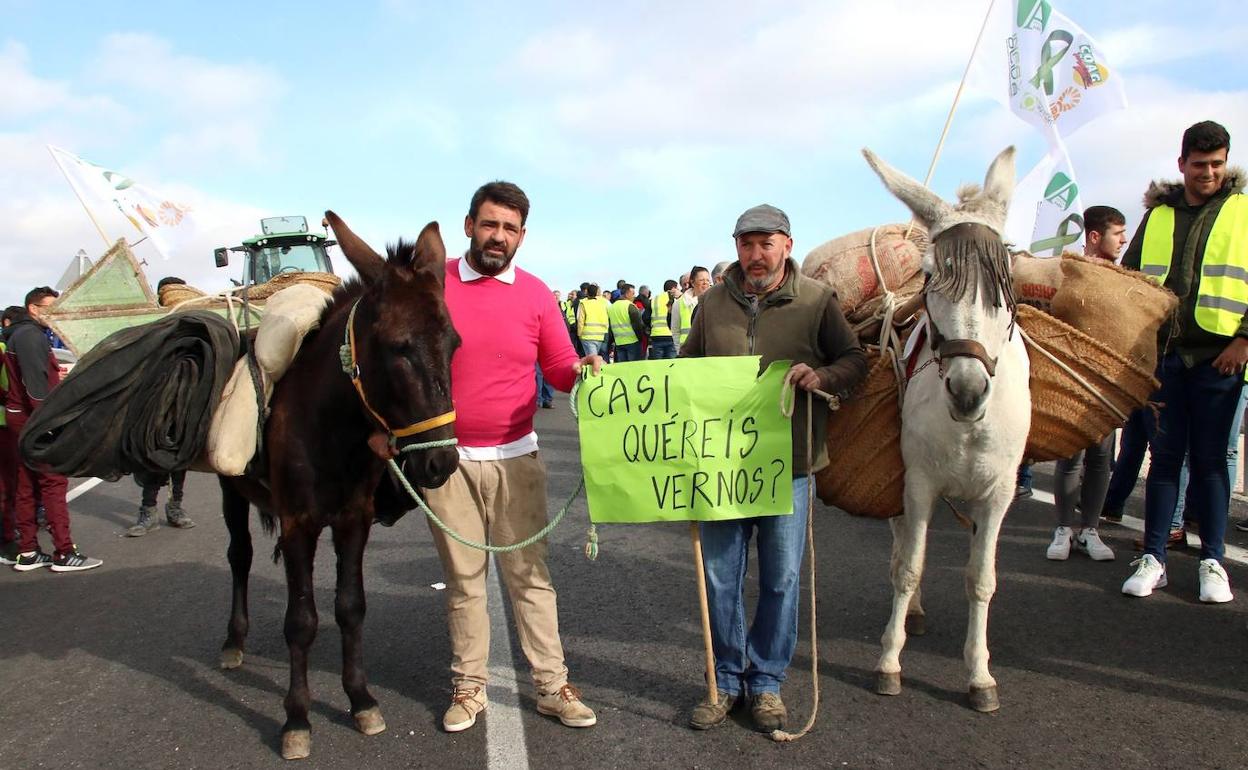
{"type": "Point", "coordinates": [592, 322]}
{"type": "Point", "coordinates": [626, 326]}
{"type": "Point", "coordinates": [662, 345]}
{"type": "Point", "coordinates": [1194, 241]}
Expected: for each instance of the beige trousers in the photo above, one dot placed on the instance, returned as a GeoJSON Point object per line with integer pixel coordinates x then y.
{"type": "Point", "coordinates": [499, 502]}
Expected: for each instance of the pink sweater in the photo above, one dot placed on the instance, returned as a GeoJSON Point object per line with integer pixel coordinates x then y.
{"type": "Point", "coordinates": [506, 329]}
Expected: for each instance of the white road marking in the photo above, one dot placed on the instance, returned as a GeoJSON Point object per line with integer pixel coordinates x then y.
{"type": "Point", "coordinates": [505, 745]}
{"type": "Point", "coordinates": [82, 488]}
{"type": "Point", "coordinates": [1231, 553]}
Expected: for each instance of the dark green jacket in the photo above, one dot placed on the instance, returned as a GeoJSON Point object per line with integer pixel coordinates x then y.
{"type": "Point", "coordinates": [1181, 334]}
{"type": "Point", "coordinates": [802, 321]}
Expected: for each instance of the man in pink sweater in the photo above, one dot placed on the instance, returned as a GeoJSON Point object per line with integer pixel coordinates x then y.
{"type": "Point", "coordinates": [508, 321]}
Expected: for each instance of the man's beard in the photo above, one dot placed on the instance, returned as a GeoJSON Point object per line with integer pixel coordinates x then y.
{"type": "Point", "coordinates": [756, 285]}
{"type": "Point", "coordinates": [488, 263]}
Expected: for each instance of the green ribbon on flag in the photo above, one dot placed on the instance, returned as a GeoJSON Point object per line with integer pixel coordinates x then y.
{"type": "Point", "coordinates": [1062, 238]}
{"type": "Point", "coordinates": [689, 439]}
{"type": "Point", "coordinates": [1050, 60]}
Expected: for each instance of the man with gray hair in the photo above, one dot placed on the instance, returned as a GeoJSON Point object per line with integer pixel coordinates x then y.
{"type": "Point", "coordinates": [766, 307]}
{"type": "Point", "coordinates": [717, 272]}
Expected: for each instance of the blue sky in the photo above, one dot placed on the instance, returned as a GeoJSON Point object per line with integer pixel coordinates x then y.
{"type": "Point", "coordinates": [639, 129]}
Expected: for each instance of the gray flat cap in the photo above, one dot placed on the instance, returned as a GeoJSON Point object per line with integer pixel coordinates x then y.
{"type": "Point", "coordinates": [762, 219]}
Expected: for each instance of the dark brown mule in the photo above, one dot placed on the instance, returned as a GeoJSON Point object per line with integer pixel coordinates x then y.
{"type": "Point", "coordinates": [325, 446]}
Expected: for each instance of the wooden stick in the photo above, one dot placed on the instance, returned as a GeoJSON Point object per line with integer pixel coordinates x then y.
{"type": "Point", "coordinates": [712, 686]}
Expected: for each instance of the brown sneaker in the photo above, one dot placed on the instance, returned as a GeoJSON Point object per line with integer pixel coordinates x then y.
{"type": "Point", "coordinates": [768, 711]}
{"type": "Point", "coordinates": [566, 704]}
{"type": "Point", "coordinates": [466, 703]}
{"type": "Point", "coordinates": [706, 714]}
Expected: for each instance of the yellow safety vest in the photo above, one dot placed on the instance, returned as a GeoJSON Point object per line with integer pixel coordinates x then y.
{"type": "Point", "coordinates": [595, 319]}
{"type": "Point", "coordinates": [621, 325]}
{"type": "Point", "coordinates": [569, 312]}
{"type": "Point", "coordinates": [1222, 298]}
{"type": "Point", "coordinates": [659, 305]}
{"type": "Point", "coordinates": [686, 321]}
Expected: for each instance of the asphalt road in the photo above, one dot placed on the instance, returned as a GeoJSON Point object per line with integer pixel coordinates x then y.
{"type": "Point", "coordinates": [118, 667]}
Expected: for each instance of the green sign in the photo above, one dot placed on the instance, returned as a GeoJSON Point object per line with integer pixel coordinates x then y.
{"type": "Point", "coordinates": [689, 439]}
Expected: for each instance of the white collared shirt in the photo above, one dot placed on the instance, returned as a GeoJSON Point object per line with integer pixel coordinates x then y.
{"type": "Point", "coordinates": [467, 274]}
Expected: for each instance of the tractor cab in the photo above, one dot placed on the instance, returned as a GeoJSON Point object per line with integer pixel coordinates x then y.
{"type": "Point", "coordinates": [284, 245]}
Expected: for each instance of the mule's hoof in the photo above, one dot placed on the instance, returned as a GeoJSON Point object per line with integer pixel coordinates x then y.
{"type": "Point", "coordinates": [231, 658]}
{"type": "Point", "coordinates": [916, 624]}
{"type": "Point", "coordinates": [370, 721]}
{"type": "Point", "coordinates": [888, 683]}
{"type": "Point", "coordinates": [296, 744]}
{"type": "Point", "coordinates": [984, 699]}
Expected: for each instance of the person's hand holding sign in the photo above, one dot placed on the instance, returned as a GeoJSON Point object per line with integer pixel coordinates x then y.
{"type": "Point", "coordinates": [595, 361]}
{"type": "Point", "coordinates": [805, 378]}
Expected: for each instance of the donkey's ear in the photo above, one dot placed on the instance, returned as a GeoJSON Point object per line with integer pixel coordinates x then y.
{"type": "Point", "coordinates": [366, 262]}
{"type": "Point", "coordinates": [926, 205]}
{"type": "Point", "coordinates": [999, 182]}
{"type": "Point", "coordinates": [431, 252]}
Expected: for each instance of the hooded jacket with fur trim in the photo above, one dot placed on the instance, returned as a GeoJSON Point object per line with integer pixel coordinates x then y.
{"type": "Point", "coordinates": [1192, 224]}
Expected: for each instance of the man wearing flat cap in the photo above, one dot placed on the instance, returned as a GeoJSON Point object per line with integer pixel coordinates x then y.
{"type": "Point", "coordinates": [766, 307]}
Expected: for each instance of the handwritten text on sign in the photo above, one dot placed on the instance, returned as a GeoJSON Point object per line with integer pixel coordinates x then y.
{"type": "Point", "coordinates": [685, 439]}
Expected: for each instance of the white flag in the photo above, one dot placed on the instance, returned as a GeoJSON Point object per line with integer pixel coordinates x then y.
{"type": "Point", "coordinates": [1046, 212]}
{"type": "Point", "coordinates": [1045, 68]}
{"type": "Point", "coordinates": [168, 224]}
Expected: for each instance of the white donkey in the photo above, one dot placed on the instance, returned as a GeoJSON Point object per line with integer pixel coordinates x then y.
{"type": "Point", "coordinates": [967, 407]}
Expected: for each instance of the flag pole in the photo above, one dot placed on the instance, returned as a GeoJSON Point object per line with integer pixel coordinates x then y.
{"type": "Point", "coordinates": [78, 195]}
{"type": "Point", "coordinates": [957, 96]}
{"type": "Point", "coordinates": [712, 686]}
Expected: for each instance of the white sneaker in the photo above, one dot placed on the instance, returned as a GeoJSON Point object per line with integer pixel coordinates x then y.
{"type": "Point", "coordinates": [1214, 586]}
{"type": "Point", "coordinates": [1089, 541]}
{"type": "Point", "coordinates": [1149, 574]}
{"type": "Point", "coordinates": [1059, 549]}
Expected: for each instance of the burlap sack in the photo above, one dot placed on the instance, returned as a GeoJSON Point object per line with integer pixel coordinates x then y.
{"type": "Point", "coordinates": [288, 316]}
{"type": "Point", "coordinates": [1120, 308]}
{"type": "Point", "coordinates": [844, 263]}
{"type": "Point", "coordinates": [1036, 279]}
{"type": "Point", "coordinates": [232, 435]}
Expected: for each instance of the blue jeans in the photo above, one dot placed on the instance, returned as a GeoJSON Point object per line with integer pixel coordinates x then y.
{"type": "Point", "coordinates": [629, 352]}
{"type": "Point", "coordinates": [594, 347]}
{"type": "Point", "coordinates": [755, 661]}
{"type": "Point", "coordinates": [1024, 476]}
{"type": "Point", "coordinates": [544, 393]}
{"type": "Point", "coordinates": [1132, 444]}
{"type": "Point", "coordinates": [662, 348]}
{"type": "Point", "coordinates": [1199, 407]}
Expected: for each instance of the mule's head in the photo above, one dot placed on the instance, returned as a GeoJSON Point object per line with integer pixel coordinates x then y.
{"type": "Point", "coordinates": [404, 341]}
{"type": "Point", "coordinates": [969, 295]}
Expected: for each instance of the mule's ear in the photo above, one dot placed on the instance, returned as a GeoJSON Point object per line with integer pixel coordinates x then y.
{"type": "Point", "coordinates": [999, 182]}
{"type": "Point", "coordinates": [926, 205]}
{"type": "Point", "coordinates": [366, 262]}
{"type": "Point", "coordinates": [431, 251]}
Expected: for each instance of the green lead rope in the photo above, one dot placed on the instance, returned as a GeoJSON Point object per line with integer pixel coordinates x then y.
{"type": "Point", "coordinates": [591, 547]}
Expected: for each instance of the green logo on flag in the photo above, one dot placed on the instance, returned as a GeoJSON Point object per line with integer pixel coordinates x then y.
{"type": "Point", "coordinates": [1062, 238]}
{"type": "Point", "coordinates": [1062, 191]}
{"type": "Point", "coordinates": [1034, 14]}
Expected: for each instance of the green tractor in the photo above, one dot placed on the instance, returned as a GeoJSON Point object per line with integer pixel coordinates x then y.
{"type": "Point", "coordinates": [115, 294]}
{"type": "Point", "coordinates": [284, 245]}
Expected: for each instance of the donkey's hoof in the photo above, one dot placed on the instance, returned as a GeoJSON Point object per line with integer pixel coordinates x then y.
{"type": "Point", "coordinates": [370, 721]}
{"type": "Point", "coordinates": [231, 658]}
{"type": "Point", "coordinates": [984, 699]}
{"type": "Point", "coordinates": [296, 744]}
{"type": "Point", "coordinates": [887, 683]}
{"type": "Point", "coordinates": [916, 624]}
